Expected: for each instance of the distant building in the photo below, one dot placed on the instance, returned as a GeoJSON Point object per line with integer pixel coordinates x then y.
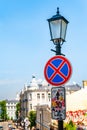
{"type": "Point", "coordinates": [11, 108]}
{"type": "Point", "coordinates": [17, 97]}
{"type": "Point", "coordinates": [36, 93]}
{"type": "Point", "coordinates": [43, 116]}
{"type": "Point", "coordinates": [72, 88]}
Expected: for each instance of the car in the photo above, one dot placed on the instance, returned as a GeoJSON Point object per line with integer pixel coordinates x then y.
{"type": "Point", "coordinates": [1, 127]}
{"type": "Point", "coordinates": [9, 125]}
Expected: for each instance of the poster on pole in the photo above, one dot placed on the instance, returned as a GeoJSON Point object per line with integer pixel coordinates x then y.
{"type": "Point", "coordinates": [58, 104]}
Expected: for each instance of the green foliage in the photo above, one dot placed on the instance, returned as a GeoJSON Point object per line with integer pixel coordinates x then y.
{"type": "Point", "coordinates": [11, 118]}
{"type": "Point", "coordinates": [32, 118]}
{"type": "Point", "coordinates": [3, 114]}
{"type": "Point", "coordinates": [17, 109]}
{"type": "Point", "coordinates": [8, 118]}
{"type": "Point", "coordinates": [86, 114]}
{"type": "Point", "coordinates": [70, 126]}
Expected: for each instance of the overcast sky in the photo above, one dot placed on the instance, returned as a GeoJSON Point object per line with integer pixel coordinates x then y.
{"type": "Point", "coordinates": [25, 41]}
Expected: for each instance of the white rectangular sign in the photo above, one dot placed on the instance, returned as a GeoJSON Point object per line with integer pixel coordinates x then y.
{"type": "Point", "coordinates": [58, 104]}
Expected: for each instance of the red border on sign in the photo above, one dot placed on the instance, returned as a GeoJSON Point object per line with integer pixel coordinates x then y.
{"type": "Point", "coordinates": [66, 78]}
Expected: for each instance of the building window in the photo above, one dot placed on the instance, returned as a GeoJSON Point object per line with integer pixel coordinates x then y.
{"type": "Point", "coordinates": [8, 107]}
{"type": "Point", "coordinates": [11, 107]}
{"type": "Point", "coordinates": [49, 96]}
{"type": "Point", "coordinates": [38, 96]}
{"type": "Point", "coordinates": [30, 96]}
{"type": "Point", "coordinates": [30, 106]}
{"type": "Point", "coordinates": [43, 95]}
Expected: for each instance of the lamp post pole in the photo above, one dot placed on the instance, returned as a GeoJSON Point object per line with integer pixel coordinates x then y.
{"type": "Point", "coordinates": [58, 52]}
{"type": "Point", "coordinates": [58, 27]}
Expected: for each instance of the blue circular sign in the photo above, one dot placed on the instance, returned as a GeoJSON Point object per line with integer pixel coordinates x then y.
{"type": "Point", "coordinates": [57, 70]}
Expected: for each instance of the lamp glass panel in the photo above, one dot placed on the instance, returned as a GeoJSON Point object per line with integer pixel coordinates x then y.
{"type": "Point", "coordinates": [63, 31]}
{"type": "Point", "coordinates": [55, 27]}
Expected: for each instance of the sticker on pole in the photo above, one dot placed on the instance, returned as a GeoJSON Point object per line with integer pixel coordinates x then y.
{"type": "Point", "coordinates": [58, 104]}
{"type": "Point", "coordinates": [57, 70]}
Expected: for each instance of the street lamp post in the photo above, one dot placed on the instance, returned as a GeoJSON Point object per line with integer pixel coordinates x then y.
{"type": "Point", "coordinates": [58, 27]}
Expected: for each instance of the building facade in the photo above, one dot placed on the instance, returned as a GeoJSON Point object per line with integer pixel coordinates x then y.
{"type": "Point", "coordinates": [37, 93]}
{"type": "Point", "coordinates": [43, 117]}
{"type": "Point", "coordinates": [11, 108]}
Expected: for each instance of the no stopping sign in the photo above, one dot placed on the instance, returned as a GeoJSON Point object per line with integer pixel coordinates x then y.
{"type": "Point", "coordinates": [57, 70]}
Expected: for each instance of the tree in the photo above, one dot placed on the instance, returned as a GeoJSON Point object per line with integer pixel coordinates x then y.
{"type": "Point", "coordinates": [3, 114]}
{"type": "Point", "coordinates": [17, 109]}
{"type": "Point", "coordinates": [32, 118]}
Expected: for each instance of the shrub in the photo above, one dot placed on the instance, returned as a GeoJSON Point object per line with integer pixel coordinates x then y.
{"type": "Point", "coordinates": [70, 126]}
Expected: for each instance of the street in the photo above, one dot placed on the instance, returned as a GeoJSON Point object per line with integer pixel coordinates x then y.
{"type": "Point", "coordinates": [5, 125]}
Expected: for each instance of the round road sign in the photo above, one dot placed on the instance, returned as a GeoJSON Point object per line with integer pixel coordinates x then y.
{"type": "Point", "coordinates": [57, 70]}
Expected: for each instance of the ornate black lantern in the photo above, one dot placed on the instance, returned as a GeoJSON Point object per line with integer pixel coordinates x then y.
{"type": "Point", "coordinates": [58, 27]}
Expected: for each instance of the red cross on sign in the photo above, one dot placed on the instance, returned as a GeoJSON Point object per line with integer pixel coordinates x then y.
{"type": "Point", "coordinates": [57, 70]}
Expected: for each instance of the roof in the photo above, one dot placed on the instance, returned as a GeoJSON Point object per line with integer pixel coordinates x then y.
{"type": "Point", "coordinates": [77, 100]}
{"type": "Point", "coordinates": [11, 101]}
{"type": "Point", "coordinates": [73, 87]}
